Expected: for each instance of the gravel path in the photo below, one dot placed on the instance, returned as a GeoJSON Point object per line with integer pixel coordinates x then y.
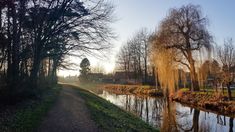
{"type": "Point", "coordinates": [69, 114]}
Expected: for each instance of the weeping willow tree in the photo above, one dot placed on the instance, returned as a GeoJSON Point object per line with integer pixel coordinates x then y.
{"type": "Point", "coordinates": [166, 67]}
{"type": "Point", "coordinates": [182, 34]}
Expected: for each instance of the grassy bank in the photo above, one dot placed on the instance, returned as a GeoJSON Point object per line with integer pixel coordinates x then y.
{"type": "Point", "coordinates": [111, 118]}
{"type": "Point", "coordinates": [133, 89]}
{"type": "Point", "coordinates": [214, 102]}
{"type": "Point", "coordinates": [27, 115]}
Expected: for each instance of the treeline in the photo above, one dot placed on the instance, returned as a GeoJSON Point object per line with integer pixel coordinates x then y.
{"type": "Point", "coordinates": [181, 49]}
{"type": "Point", "coordinates": [36, 36]}
{"type": "Point", "coordinates": [134, 56]}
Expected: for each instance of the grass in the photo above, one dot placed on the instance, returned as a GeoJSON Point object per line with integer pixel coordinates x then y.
{"type": "Point", "coordinates": [210, 91]}
{"type": "Point", "coordinates": [28, 117]}
{"type": "Point", "coordinates": [144, 90]}
{"type": "Point", "coordinates": [111, 118]}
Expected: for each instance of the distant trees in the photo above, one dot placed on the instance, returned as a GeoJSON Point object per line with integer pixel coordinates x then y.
{"type": "Point", "coordinates": [134, 55]}
{"type": "Point", "coordinates": [98, 69]}
{"type": "Point", "coordinates": [85, 70]}
{"type": "Point", "coordinates": [210, 69]}
{"type": "Point", "coordinates": [226, 54]}
{"type": "Point", "coordinates": [36, 35]}
{"type": "Point", "coordinates": [185, 31]}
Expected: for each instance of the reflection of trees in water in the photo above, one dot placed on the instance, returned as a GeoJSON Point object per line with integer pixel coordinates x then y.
{"type": "Point", "coordinates": [172, 123]}
{"type": "Point", "coordinates": [230, 124]}
{"type": "Point", "coordinates": [147, 109]}
{"type": "Point", "coordinates": [142, 106]}
{"type": "Point", "coordinates": [158, 106]}
{"type": "Point", "coordinates": [164, 114]}
{"type": "Point", "coordinates": [221, 120]}
{"type": "Point", "coordinates": [169, 118]}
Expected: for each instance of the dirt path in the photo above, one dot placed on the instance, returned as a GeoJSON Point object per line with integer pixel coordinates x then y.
{"type": "Point", "coordinates": [69, 114]}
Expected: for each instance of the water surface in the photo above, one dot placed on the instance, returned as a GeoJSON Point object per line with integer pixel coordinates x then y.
{"type": "Point", "coordinates": [171, 116]}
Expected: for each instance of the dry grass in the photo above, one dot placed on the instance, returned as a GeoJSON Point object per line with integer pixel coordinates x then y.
{"type": "Point", "coordinates": [211, 101]}
{"type": "Point", "coordinates": [133, 89]}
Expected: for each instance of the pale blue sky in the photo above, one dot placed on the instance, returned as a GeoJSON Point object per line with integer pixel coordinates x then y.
{"type": "Point", "coordinates": [135, 14]}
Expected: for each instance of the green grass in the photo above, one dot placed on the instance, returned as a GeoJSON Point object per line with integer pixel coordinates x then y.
{"type": "Point", "coordinates": [28, 118]}
{"type": "Point", "coordinates": [111, 118]}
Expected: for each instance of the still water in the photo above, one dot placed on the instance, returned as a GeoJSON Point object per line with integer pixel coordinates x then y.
{"type": "Point", "coordinates": [171, 116]}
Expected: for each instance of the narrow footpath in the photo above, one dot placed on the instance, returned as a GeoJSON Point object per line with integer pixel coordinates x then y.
{"type": "Point", "coordinates": [69, 114]}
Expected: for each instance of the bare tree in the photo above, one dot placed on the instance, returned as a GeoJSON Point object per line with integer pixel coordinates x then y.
{"type": "Point", "coordinates": [184, 29]}
{"type": "Point", "coordinates": [133, 56]}
{"type": "Point", "coordinates": [226, 55]}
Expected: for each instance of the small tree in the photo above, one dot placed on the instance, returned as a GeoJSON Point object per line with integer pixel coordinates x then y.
{"type": "Point", "coordinates": [85, 69]}
{"type": "Point", "coordinates": [226, 55]}
{"type": "Point", "coordinates": [215, 72]}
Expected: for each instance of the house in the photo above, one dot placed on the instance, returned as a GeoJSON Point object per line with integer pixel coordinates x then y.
{"type": "Point", "coordinates": [126, 77]}
{"type": "Point", "coordinates": [95, 77]}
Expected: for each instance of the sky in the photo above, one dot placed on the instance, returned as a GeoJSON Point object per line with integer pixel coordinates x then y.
{"type": "Point", "coordinates": [133, 15]}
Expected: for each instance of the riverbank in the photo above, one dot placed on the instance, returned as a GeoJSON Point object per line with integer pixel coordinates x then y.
{"type": "Point", "coordinates": [109, 117]}
{"type": "Point", "coordinates": [142, 90]}
{"type": "Point", "coordinates": [208, 101]}
{"type": "Point", "coordinates": [27, 115]}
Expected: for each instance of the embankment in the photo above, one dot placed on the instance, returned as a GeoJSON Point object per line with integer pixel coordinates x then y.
{"type": "Point", "coordinates": [213, 102]}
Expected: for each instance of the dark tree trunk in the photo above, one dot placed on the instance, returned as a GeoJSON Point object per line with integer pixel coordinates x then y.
{"type": "Point", "coordinates": [15, 52]}
{"type": "Point", "coordinates": [230, 124]}
{"type": "Point", "coordinates": [147, 109]}
{"type": "Point", "coordinates": [229, 91]}
{"type": "Point", "coordinates": [193, 74]}
{"type": "Point", "coordinates": [195, 120]}
{"type": "Point", "coordinates": [145, 70]}
{"type": "Point", "coordinates": [34, 72]}
{"type": "Point", "coordinates": [54, 73]}
{"type": "Point", "coordinates": [0, 18]}
{"type": "Point", "coordinates": [9, 48]}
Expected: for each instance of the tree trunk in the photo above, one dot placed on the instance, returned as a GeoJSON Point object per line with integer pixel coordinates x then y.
{"type": "Point", "coordinates": [54, 68]}
{"type": "Point", "coordinates": [147, 110]}
{"type": "Point", "coordinates": [195, 120]}
{"type": "Point", "coordinates": [15, 46]}
{"type": "Point", "coordinates": [0, 18]}
{"type": "Point", "coordinates": [9, 48]}
{"type": "Point", "coordinates": [145, 70]}
{"type": "Point", "coordinates": [193, 74]}
{"type": "Point", "coordinates": [34, 72]}
{"type": "Point", "coordinates": [230, 124]}
{"type": "Point", "coordinates": [229, 91]}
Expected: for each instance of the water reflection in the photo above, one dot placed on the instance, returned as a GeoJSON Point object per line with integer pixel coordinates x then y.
{"type": "Point", "coordinates": [171, 116]}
